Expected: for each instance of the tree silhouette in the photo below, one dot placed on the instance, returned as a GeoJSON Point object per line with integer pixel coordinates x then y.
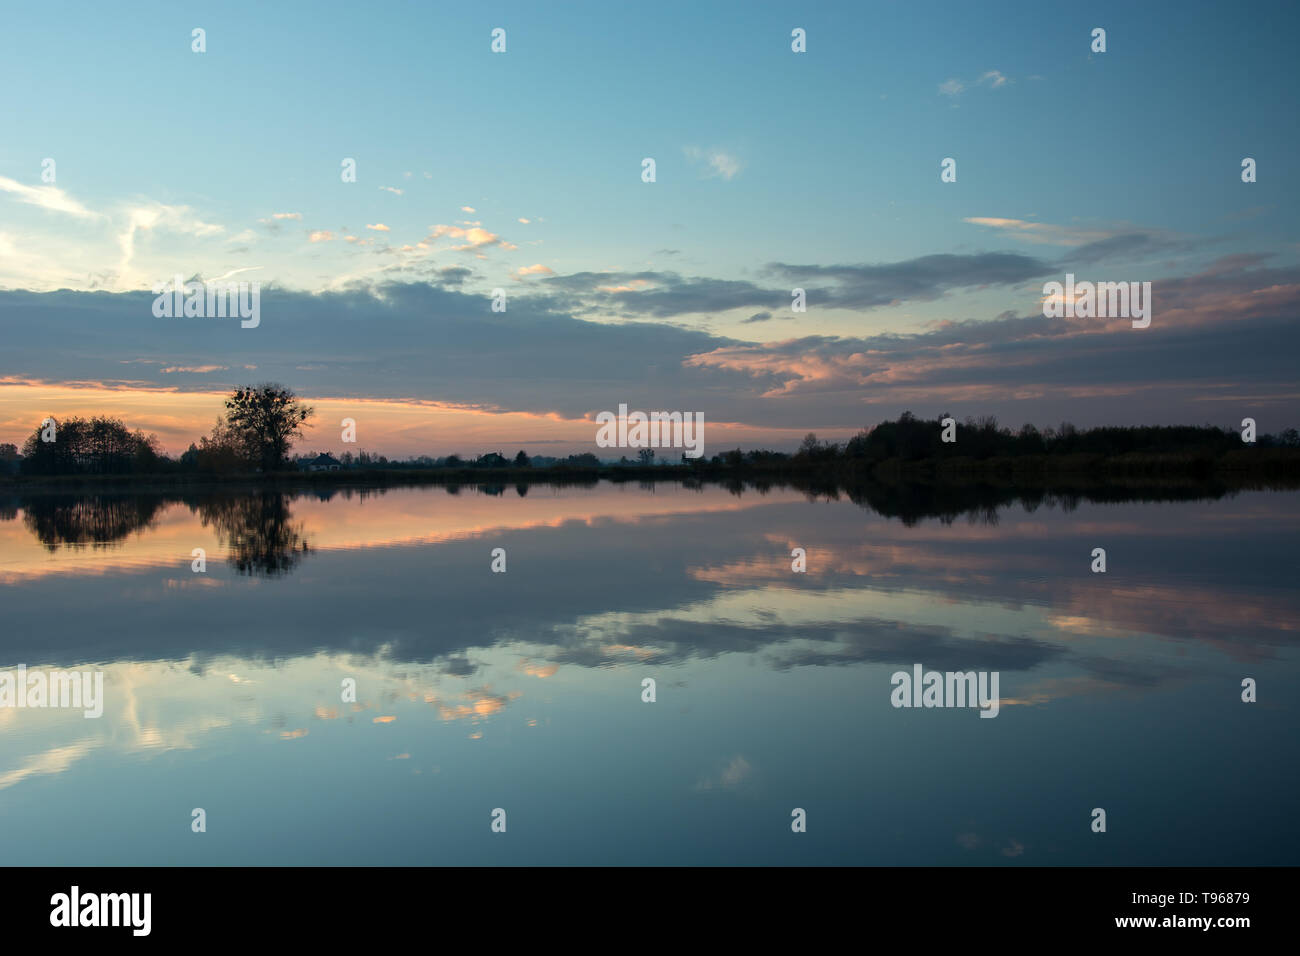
{"type": "Point", "coordinates": [259, 531]}
{"type": "Point", "coordinates": [95, 446]}
{"type": "Point", "coordinates": [264, 419]}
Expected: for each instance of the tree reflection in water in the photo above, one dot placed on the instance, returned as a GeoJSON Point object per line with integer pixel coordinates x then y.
{"type": "Point", "coordinates": [258, 530]}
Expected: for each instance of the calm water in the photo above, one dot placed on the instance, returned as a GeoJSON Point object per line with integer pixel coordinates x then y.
{"type": "Point", "coordinates": [478, 690]}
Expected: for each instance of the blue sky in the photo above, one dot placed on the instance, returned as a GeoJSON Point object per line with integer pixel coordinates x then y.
{"type": "Point", "coordinates": [169, 161]}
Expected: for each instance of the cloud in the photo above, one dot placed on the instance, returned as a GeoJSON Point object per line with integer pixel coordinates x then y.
{"type": "Point", "coordinates": [321, 235]}
{"type": "Point", "coordinates": [720, 163]}
{"type": "Point", "coordinates": [123, 229]}
{"type": "Point", "coordinates": [147, 217]}
{"type": "Point", "coordinates": [378, 227]}
{"type": "Point", "coordinates": [993, 79]}
{"type": "Point", "coordinates": [1094, 244]}
{"type": "Point", "coordinates": [663, 294]}
{"type": "Point", "coordinates": [1218, 330]}
{"type": "Point", "coordinates": [50, 198]}
{"type": "Point", "coordinates": [55, 760]}
{"type": "Point", "coordinates": [1019, 566]}
{"type": "Point", "coordinates": [736, 772]}
{"type": "Point", "coordinates": [286, 215]}
{"type": "Point", "coordinates": [1041, 232]}
{"type": "Point", "coordinates": [233, 272]}
{"type": "Point", "coordinates": [392, 189]}
{"type": "Point", "coordinates": [468, 209]}
{"type": "Point", "coordinates": [536, 269]}
{"type": "Point", "coordinates": [1222, 335]}
{"type": "Point", "coordinates": [476, 237]}
{"type": "Point", "coordinates": [923, 278]}
{"type": "Point", "coordinates": [453, 275]}
{"type": "Point", "coordinates": [669, 294]}
{"type": "Point", "coordinates": [524, 221]}
{"type": "Point", "coordinates": [22, 266]}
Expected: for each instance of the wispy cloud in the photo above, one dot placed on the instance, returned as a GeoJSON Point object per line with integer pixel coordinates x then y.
{"type": "Point", "coordinates": [992, 79]}
{"type": "Point", "coordinates": [1095, 244]}
{"type": "Point", "coordinates": [46, 197]}
{"type": "Point", "coordinates": [152, 216]}
{"type": "Point", "coordinates": [1042, 232]}
{"type": "Point", "coordinates": [718, 162]}
{"type": "Point", "coordinates": [736, 772]}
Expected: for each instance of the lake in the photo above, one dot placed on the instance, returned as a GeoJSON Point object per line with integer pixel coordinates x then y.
{"type": "Point", "coordinates": [226, 689]}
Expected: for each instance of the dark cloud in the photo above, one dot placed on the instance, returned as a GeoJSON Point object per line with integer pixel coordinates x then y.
{"type": "Point", "coordinates": [398, 340]}
{"type": "Point", "coordinates": [940, 648]}
{"type": "Point", "coordinates": [453, 276]}
{"type": "Point", "coordinates": [1227, 333]}
{"type": "Point", "coordinates": [669, 294]}
{"type": "Point", "coordinates": [928, 277]}
{"type": "Point", "coordinates": [1128, 247]}
{"type": "Point", "coordinates": [663, 294]}
{"type": "Point", "coordinates": [1222, 339]}
{"type": "Point", "coordinates": [459, 666]}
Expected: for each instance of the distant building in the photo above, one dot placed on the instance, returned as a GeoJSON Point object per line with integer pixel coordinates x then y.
{"type": "Point", "coordinates": [323, 463]}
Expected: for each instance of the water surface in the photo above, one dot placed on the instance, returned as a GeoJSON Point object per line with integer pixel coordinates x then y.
{"type": "Point", "coordinates": [523, 690]}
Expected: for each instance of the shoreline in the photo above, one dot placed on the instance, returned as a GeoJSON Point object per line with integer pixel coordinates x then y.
{"type": "Point", "coordinates": [1277, 468]}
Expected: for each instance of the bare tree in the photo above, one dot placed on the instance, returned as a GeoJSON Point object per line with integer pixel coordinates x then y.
{"type": "Point", "coordinates": [265, 419]}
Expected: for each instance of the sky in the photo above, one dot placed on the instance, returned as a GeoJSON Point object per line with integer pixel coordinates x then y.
{"type": "Point", "coordinates": [522, 171]}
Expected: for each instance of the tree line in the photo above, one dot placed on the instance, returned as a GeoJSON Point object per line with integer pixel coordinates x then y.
{"type": "Point", "coordinates": [98, 446]}
{"type": "Point", "coordinates": [254, 435]}
{"type": "Point", "coordinates": [261, 422]}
